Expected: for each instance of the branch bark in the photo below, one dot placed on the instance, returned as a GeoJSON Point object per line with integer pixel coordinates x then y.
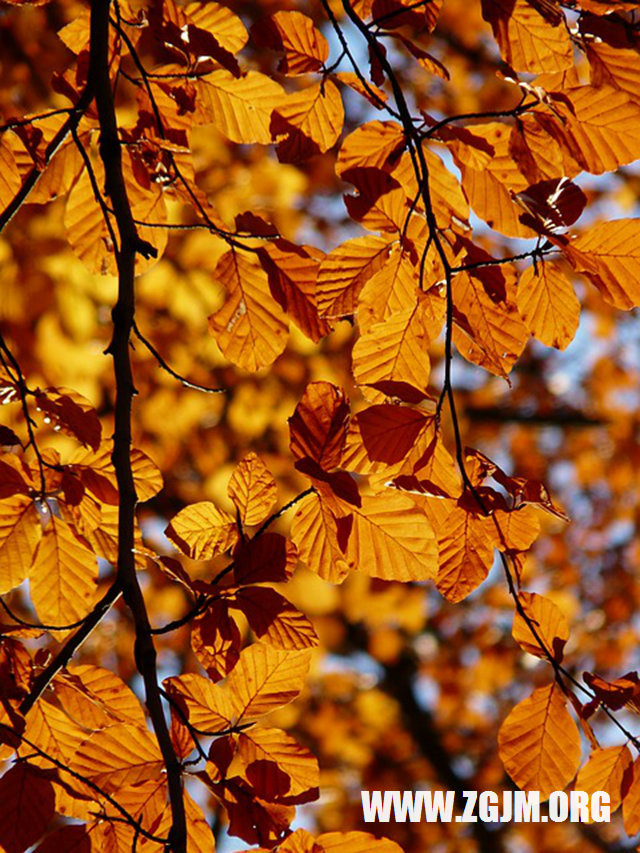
{"type": "Point", "coordinates": [123, 320]}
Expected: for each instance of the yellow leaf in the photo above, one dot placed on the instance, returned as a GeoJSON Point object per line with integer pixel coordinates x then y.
{"type": "Point", "coordinates": [548, 304]}
{"type": "Point", "coordinates": [605, 771]}
{"type": "Point", "coordinates": [376, 144]}
{"type": "Point", "coordinates": [228, 29]}
{"type": "Point", "coordinates": [10, 181]}
{"type": "Point", "coordinates": [392, 539]}
{"type": "Point", "coordinates": [355, 842]}
{"type": "Point", "coordinates": [252, 489]}
{"type": "Point", "coordinates": [63, 576]}
{"type": "Point", "coordinates": [609, 255]}
{"type": "Point", "coordinates": [240, 107]}
{"type": "Point", "coordinates": [549, 622]}
{"type": "Point", "coordinates": [87, 231]}
{"type": "Point", "coordinates": [305, 48]}
{"type": "Point", "coordinates": [517, 529]}
{"type": "Point", "coordinates": [20, 532]}
{"type": "Point", "coordinates": [393, 288]}
{"type": "Point", "coordinates": [202, 531]}
{"type": "Point", "coordinates": [119, 755]}
{"type": "Point", "coordinates": [465, 553]}
{"type": "Point", "coordinates": [394, 353]}
{"type": "Point", "coordinates": [527, 40]}
{"type": "Point", "coordinates": [97, 698]}
{"type": "Point", "coordinates": [599, 126]}
{"type": "Point", "coordinates": [631, 802]}
{"type": "Point", "coordinates": [489, 175]}
{"type": "Point", "coordinates": [539, 742]}
{"type": "Point", "coordinates": [265, 679]}
{"type": "Point", "coordinates": [314, 532]}
{"type": "Point", "coordinates": [307, 122]}
{"type": "Point", "coordinates": [344, 272]}
{"type": "Point", "coordinates": [279, 753]}
{"type": "Point", "coordinates": [208, 706]}
{"type": "Point", "coordinates": [487, 332]}
{"type": "Point", "coordinates": [250, 328]}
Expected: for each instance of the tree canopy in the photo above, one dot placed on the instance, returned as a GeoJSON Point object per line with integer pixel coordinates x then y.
{"type": "Point", "coordinates": [319, 366]}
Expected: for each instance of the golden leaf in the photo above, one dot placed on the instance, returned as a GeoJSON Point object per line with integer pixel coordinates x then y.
{"type": "Point", "coordinates": [539, 742]}
{"type": "Point", "coordinates": [250, 328]}
{"type": "Point", "coordinates": [20, 532]}
{"type": "Point", "coordinates": [240, 107]}
{"type": "Point", "coordinates": [392, 539]}
{"type": "Point", "coordinates": [63, 576]}
{"type": "Point", "coordinates": [605, 771]}
{"type": "Point", "coordinates": [548, 305]}
{"type": "Point", "coordinates": [252, 489]}
{"type": "Point", "coordinates": [609, 254]}
{"type": "Point", "coordinates": [120, 755]}
{"type": "Point", "coordinates": [344, 272]}
{"type": "Point", "coordinates": [307, 122]}
{"type": "Point", "coordinates": [549, 622]}
{"type": "Point", "coordinates": [202, 531]}
{"type": "Point", "coordinates": [265, 679]}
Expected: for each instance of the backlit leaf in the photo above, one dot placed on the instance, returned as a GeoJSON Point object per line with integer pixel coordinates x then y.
{"type": "Point", "coordinates": [539, 742]}
{"type": "Point", "coordinates": [202, 531]}
{"type": "Point", "coordinates": [252, 489]}
{"type": "Point", "coordinates": [307, 122]}
{"type": "Point", "coordinates": [608, 255]}
{"type": "Point", "coordinates": [606, 771]}
{"type": "Point", "coordinates": [250, 328]}
{"type": "Point", "coordinates": [241, 107]}
{"type": "Point", "coordinates": [305, 48]}
{"type": "Point", "coordinates": [20, 531]}
{"type": "Point", "coordinates": [548, 305]}
{"type": "Point", "coordinates": [547, 619]}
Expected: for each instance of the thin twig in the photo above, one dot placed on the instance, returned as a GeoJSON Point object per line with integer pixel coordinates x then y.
{"type": "Point", "coordinates": [163, 364]}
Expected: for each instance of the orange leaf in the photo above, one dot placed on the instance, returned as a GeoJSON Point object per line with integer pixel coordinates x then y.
{"type": "Point", "coordinates": [305, 48]}
{"type": "Point", "coordinates": [265, 679]}
{"type": "Point", "coordinates": [355, 842]}
{"type": "Point", "coordinates": [63, 576]}
{"type": "Point", "coordinates": [606, 770]}
{"type": "Point", "coordinates": [216, 640]}
{"type": "Point", "coordinates": [318, 427]}
{"type": "Point", "coordinates": [277, 767]}
{"type": "Point", "coordinates": [487, 332]}
{"type": "Point", "coordinates": [252, 489]}
{"type": "Point", "coordinates": [250, 328]}
{"type": "Point", "coordinates": [119, 755]}
{"type": "Point", "coordinates": [240, 107]}
{"type": "Point", "coordinates": [344, 272]}
{"type": "Point", "coordinates": [392, 356]}
{"type": "Point", "coordinates": [20, 532]}
{"type": "Point", "coordinates": [274, 619]}
{"type": "Point", "coordinates": [549, 622]}
{"type": "Point", "coordinates": [392, 539]}
{"type": "Point", "coordinates": [527, 40]}
{"type": "Point", "coordinates": [548, 305]}
{"type": "Point", "coordinates": [314, 529]}
{"type": "Point", "coordinates": [539, 742]}
{"type": "Point", "coordinates": [631, 802]}
{"type": "Point", "coordinates": [609, 254]}
{"type": "Point", "coordinates": [202, 531]}
{"type": "Point", "coordinates": [376, 144]}
{"type": "Point", "coordinates": [465, 553]}
{"type": "Point", "coordinates": [207, 706]}
{"type": "Point", "coordinates": [389, 432]}
{"type": "Point", "coordinates": [307, 122]}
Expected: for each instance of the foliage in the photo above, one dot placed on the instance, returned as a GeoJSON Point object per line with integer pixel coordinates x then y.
{"type": "Point", "coordinates": [281, 485]}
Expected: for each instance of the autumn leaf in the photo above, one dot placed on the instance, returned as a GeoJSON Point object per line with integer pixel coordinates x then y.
{"type": "Point", "coordinates": [605, 771]}
{"type": "Point", "coordinates": [318, 427]}
{"type": "Point", "coordinates": [344, 272]}
{"type": "Point", "coordinates": [548, 305]}
{"type": "Point", "coordinates": [265, 679]}
{"type": "Point", "coordinates": [548, 621]}
{"type": "Point", "coordinates": [202, 531]}
{"type": "Point", "coordinates": [307, 122]}
{"type": "Point", "coordinates": [252, 489]}
{"type": "Point", "coordinates": [27, 807]}
{"type": "Point", "coordinates": [20, 532]}
{"type": "Point", "coordinates": [250, 327]}
{"type": "Point", "coordinates": [305, 48]}
{"type": "Point", "coordinates": [240, 107]}
{"type": "Point", "coordinates": [539, 742]}
{"type": "Point", "coordinates": [63, 575]}
{"type": "Point", "coordinates": [607, 254]}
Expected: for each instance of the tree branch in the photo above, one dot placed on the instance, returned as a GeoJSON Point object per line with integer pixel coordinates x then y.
{"type": "Point", "coordinates": [123, 318]}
